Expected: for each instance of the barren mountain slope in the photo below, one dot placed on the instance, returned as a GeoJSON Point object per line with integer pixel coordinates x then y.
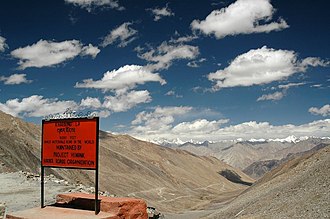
{"type": "Point", "coordinates": [169, 179]}
{"type": "Point", "coordinates": [298, 188]}
{"type": "Point", "coordinates": [259, 168]}
{"type": "Point", "coordinates": [20, 150]}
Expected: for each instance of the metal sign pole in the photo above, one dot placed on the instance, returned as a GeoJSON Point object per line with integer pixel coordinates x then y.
{"type": "Point", "coordinates": [96, 191]}
{"type": "Point", "coordinates": [97, 168]}
{"type": "Point", "coordinates": [42, 170]}
{"type": "Point", "coordinates": [42, 187]}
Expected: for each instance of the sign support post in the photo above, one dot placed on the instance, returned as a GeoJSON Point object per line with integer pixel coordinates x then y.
{"type": "Point", "coordinates": [71, 143]}
{"type": "Point", "coordinates": [42, 187]}
{"type": "Point", "coordinates": [97, 169]}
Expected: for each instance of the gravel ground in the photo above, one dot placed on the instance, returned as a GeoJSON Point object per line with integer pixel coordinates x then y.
{"type": "Point", "coordinates": [21, 190]}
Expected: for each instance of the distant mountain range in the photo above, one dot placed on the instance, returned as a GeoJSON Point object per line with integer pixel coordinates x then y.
{"type": "Point", "coordinates": [241, 154]}
{"type": "Point", "coordinates": [178, 142]}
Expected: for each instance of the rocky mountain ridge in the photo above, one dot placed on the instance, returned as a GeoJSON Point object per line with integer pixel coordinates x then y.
{"type": "Point", "coordinates": [244, 153]}
{"type": "Point", "coordinates": [258, 169]}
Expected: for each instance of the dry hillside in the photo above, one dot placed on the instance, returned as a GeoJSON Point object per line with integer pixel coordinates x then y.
{"type": "Point", "coordinates": [298, 188]}
{"type": "Point", "coordinates": [169, 179]}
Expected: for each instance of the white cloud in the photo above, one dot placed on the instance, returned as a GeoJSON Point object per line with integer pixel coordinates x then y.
{"type": "Point", "coordinates": [124, 34]}
{"type": "Point", "coordinates": [163, 56]}
{"type": "Point", "coordinates": [160, 125]}
{"type": "Point", "coordinates": [3, 45]}
{"type": "Point", "coordinates": [120, 82]}
{"type": "Point", "coordinates": [15, 79]}
{"type": "Point", "coordinates": [157, 121]}
{"type": "Point", "coordinates": [323, 111]}
{"type": "Point", "coordinates": [103, 113]}
{"type": "Point", "coordinates": [126, 101]}
{"type": "Point", "coordinates": [173, 93]}
{"type": "Point", "coordinates": [89, 5]}
{"type": "Point", "coordinates": [49, 53]}
{"type": "Point", "coordinates": [196, 63]}
{"type": "Point", "coordinates": [274, 96]}
{"type": "Point", "coordinates": [159, 13]}
{"type": "Point", "coordinates": [122, 79]}
{"type": "Point", "coordinates": [170, 93]}
{"type": "Point", "coordinates": [90, 50]}
{"type": "Point", "coordinates": [183, 39]}
{"type": "Point", "coordinates": [313, 61]}
{"type": "Point", "coordinates": [199, 126]}
{"type": "Point", "coordinates": [90, 102]}
{"type": "Point", "coordinates": [287, 86]}
{"type": "Point", "coordinates": [36, 106]}
{"type": "Point", "coordinates": [241, 17]}
{"type": "Point", "coordinates": [278, 95]}
{"type": "Point", "coordinates": [316, 85]}
{"type": "Point", "coordinates": [262, 66]}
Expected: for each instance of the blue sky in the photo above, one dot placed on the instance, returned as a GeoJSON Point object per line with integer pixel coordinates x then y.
{"type": "Point", "coordinates": [201, 70]}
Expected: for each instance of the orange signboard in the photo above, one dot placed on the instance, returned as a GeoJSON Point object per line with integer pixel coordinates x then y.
{"type": "Point", "coordinates": [70, 143]}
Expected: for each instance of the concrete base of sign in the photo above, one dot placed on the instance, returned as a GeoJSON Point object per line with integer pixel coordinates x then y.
{"type": "Point", "coordinates": [51, 212]}
{"type": "Point", "coordinates": [80, 205]}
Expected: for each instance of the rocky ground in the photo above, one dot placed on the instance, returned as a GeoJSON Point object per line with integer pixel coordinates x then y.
{"type": "Point", "coordinates": [21, 190]}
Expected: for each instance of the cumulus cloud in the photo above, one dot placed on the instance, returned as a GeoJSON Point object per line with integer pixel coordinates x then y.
{"type": "Point", "coordinates": [160, 124]}
{"type": "Point", "coordinates": [159, 120]}
{"type": "Point", "coordinates": [323, 111]}
{"type": "Point", "coordinates": [163, 56]}
{"type": "Point", "coordinates": [3, 45]}
{"type": "Point", "coordinates": [103, 113]}
{"type": "Point", "coordinates": [262, 66]}
{"type": "Point", "coordinates": [89, 5]}
{"type": "Point", "coordinates": [49, 53]}
{"type": "Point", "coordinates": [121, 82]}
{"type": "Point", "coordinates": [199, 126]}
{"type": "Point", "coordinates": [274, 96]}
{"type": "Point", "coordinates": [35, 106]}
{"type": "Point", "coordinates": [122, 79]}
{"type": "Point", "coordinates": [90, 50]}
{"type": "Point", "coordinates": [38, 106]}
{"type": "Point", "coordinates": [120, 102]}
{"type": "Point", "coordinates": [90, 102]}
{"type": "Point", "coordinates": [159, 13]}
{"type": "Point", "coordinates": [241, 17]}
{"type": "Point", "coordinates": [123, 34]}
{"type": "Point", "coordinates": [126, 101]}
{"type": "Point", "coordinates": [15, 79]}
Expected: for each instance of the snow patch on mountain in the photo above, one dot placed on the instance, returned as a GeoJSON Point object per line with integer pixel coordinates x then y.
{"type": "Point", "coordinates": [178, 141]}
